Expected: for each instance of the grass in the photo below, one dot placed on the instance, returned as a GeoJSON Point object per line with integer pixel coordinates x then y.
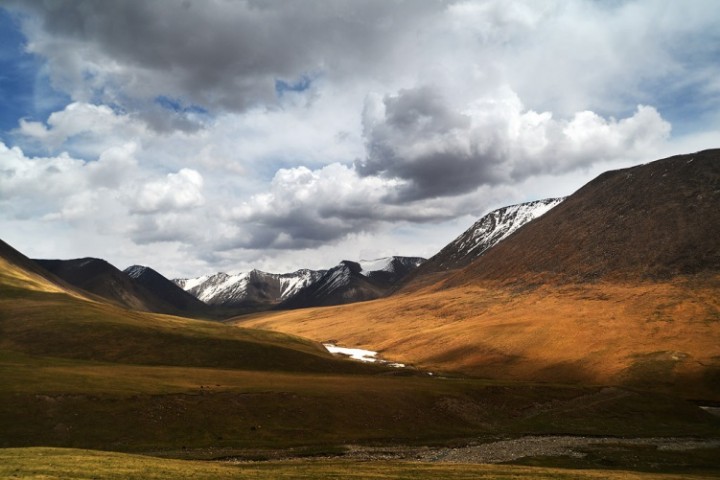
{"type": "Point", "coordinates": [208, 412]}
{"type": "Point", "coordinates": [54, 324]}
{"type": "Point", "coordinates": [51, 463]}
{"type": "Point", "coordinates": [594, 333]}
{"type": "Point", "coordinates": [636, 457]}
{"type": "Point", "coordinates": [84, 374]}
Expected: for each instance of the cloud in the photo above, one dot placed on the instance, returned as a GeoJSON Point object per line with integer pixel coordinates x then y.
{"type": "Point", "coordinates": [177, 191]}
{"type": "Point", "coordinates": [227, 56]}
{"type": "Point", "coordinates": [305, 208]}
{"type": "Point", "coordinates": [434, 148]}
{"type": "Point", "coordinates": [233, 131]}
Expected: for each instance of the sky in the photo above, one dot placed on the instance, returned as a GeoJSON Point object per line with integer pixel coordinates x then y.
{"type": "Point", "coordinates": [200, 136]}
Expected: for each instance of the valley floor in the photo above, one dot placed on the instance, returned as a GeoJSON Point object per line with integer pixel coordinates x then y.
{"type": "Point", "coordinates": [672, 453]}
{"type": "Point", "coordinates": [57, 463]}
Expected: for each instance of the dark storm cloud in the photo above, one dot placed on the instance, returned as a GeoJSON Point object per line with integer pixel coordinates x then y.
{"type": "Point", "coordinates": [437, 148]}
{"type": "Point", "coordinates": [217, 54]}
{"type": "Point", "coordinates": [421, 138]}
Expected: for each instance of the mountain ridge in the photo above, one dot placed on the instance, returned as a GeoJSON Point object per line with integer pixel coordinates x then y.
{"type": "Point", "coordinates": [359, 281]}
{"type": "Point", "coordinates": [488, 231]}
{"type": "Point", "coordinates": [651, 221]}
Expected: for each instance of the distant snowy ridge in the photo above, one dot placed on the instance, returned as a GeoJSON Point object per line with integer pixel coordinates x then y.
{"type": "Point", "coordinates": [257, 287]}
{"type": "Point", "coordinates": [351, 281]}
{"type": "Point", "coordinates": [388, 264]}
{"type": "Point", "coordinates": [253, 286]}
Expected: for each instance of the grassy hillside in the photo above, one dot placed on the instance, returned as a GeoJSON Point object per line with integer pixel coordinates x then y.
{"type": "Point", "coordinates": [81, 373]}
{"type": "Point", "coordinates": [51, 463]}
{"type": "Point", "coordinates": [619, 284]}
{"type": "Point", "coordinates": [209, 413]}
{"type": "Point", "coordinates": [39, 317]}
{"type": "Point", "coordinates": [658, 335]}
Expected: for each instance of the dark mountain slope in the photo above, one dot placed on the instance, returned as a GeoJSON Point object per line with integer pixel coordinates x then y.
{"type": "Point", "coordinates": [103, 279]}
{"type": "Point", "coordinates": [652, 221]}
{"type": "Point", "coordinates": [165, 290]}
{"type": "Point", "coordinates": [17, 264]}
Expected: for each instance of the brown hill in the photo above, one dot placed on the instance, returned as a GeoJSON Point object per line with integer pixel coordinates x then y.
{"type": "Point", "coordinates": [652, 222]}
{"type": "Point", "coordinates": [619, 284]}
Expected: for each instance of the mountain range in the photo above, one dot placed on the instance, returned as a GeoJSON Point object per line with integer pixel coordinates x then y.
{"type": "Point", "coordinates": [351, 281]}
{"type": "Point", "coordinates": [222, 295]}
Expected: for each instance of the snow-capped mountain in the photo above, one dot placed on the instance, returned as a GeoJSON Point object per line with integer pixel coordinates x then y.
{"type": "Point", "coordinates": [248, 288]}
{"type": "Point", "coordinates": [354, 282]}
{"type": "Point", "coordinates": [344, 283]}
{"type": "Point", "coordinates": [487, 232]}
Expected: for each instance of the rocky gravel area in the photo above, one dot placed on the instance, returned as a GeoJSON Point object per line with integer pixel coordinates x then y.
{"type": "Point", "coordinates": [504, 450]}
{"type": "Point", "coordinates": [535, 446]}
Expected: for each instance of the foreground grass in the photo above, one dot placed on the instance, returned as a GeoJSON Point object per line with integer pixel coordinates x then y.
{"type": "Point", "coordinates": [53, 463]}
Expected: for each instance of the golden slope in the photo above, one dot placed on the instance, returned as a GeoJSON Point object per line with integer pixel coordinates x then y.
{"type": "Point", "coordinates": [658, 334]}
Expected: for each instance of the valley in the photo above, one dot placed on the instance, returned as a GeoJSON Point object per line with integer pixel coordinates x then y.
{"type": "Point", "coordinates": [524, 352]}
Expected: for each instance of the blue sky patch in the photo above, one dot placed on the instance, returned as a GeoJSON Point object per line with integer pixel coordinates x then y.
{"type": "Point", "coordinates": [25, 89]}
{"type": "Point", "coordinates": [177, 106]}
{"type": "Point", "coordinates": [300, 85]}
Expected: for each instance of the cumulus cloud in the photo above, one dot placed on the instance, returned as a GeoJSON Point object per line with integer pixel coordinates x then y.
{"type": "Point", "coordinates": [224, 129]}
{"type": "Point", "coordinates": [106, 190]}
{"type": "Point", "coordinates": [427, 160]}
{"type": "Point", "coordinates": [305, 208]}
{"type": "Point", "coordinates": [177, 191]}
{"type": "Point", "coordinates": [436, 149]}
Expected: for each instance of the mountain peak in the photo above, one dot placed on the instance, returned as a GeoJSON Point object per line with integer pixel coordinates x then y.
{"type": "Point", "coordinates": [136, 271]}
{"type": "Point", "coordinates": [485, 233]}
{"type": "Point", "coordinates": [650, 221]}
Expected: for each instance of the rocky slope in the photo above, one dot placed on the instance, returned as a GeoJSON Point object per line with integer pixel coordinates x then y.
{"type": "Point", "coordinates": [487, 232]}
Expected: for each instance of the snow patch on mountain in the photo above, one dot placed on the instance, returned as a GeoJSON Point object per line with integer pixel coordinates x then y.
{"type": "Point", "coordinates": [291, 283]}
{"type": "Point", "coordinates": [135, 271]}
{"type": "Point", "coordinates": [388, 264]}
{"type": "Point", "coordinates": [499, 224]}
{"type": "Point", "coordinates": [377, 265]}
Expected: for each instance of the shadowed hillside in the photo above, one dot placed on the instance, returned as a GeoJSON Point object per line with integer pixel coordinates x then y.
{"type": "Point", "coordinates": [97, 276]}
{"type": "Point", "coordinates": [165, 291]}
